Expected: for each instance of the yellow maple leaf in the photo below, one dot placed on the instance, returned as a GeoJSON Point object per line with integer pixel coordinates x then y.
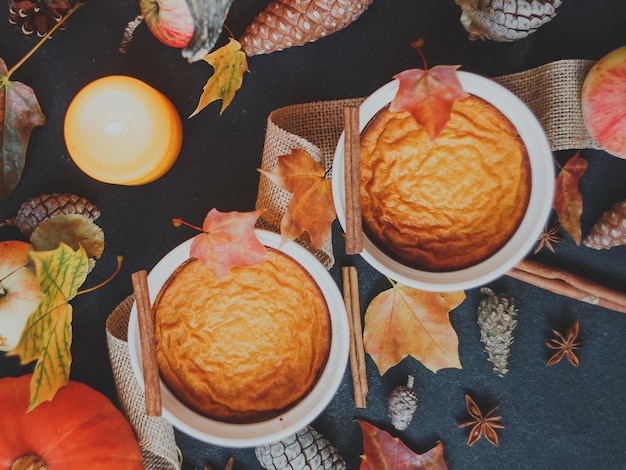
{"type": "Point", "coordinates": [47, 336]}
{"type": "Point", "coordinates": [229, 64]}
{"type": "Point", "coordinates": [403, 321]}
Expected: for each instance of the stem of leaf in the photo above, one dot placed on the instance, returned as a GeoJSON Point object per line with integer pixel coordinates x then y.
{"type": "Point", "coordinates": [76, 6]}
{"type": "Point", "coordinates": [120, 258]}
{"type": "Point", "coordinates": [179, 222]}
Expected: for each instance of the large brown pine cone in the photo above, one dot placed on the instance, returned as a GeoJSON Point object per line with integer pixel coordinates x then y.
{"type": "Point", "coordinates": [287, 23]}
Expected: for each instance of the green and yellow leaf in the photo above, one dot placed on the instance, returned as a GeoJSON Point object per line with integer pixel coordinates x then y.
{"type": "Point", "coordinates": [229, 64]}
{"type": "Point", "coordinates": [47, 336]}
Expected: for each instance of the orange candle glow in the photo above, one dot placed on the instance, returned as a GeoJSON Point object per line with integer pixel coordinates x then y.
{"type": "Point", "coordinates": [120, 130]}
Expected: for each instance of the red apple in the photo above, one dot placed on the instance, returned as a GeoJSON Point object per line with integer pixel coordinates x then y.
{"type": "Point", "coordinates": [603, 101]}
{"type": "Point", "coordinates": [169, 20]}
{"type": "Point", "coordinates": [20, 294]}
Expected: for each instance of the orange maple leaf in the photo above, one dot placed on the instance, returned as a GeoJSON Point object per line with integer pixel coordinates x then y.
{"type": "Point", "coordinates": [568, 202]}
{"type": "Point", "coordinates": [228, 240]}
{"type": "Point", "coordinates": [403, 321]}
{"type": "Point", "coordinates": [428, 94]}
{"type": "Point", "coordinates": [384, 452]}
{"type": "Point", "coordinates": [310, 209]}
{"type": "Point", "coordinates": [229, 64]}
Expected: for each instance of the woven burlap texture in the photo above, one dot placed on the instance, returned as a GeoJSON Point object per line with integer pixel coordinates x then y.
{"type": "Point", "coordinates": [155, 434]}
{"type": "Point", "coordinates": [552, 92]}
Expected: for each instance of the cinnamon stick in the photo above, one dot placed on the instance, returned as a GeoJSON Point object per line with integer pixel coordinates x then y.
{"type": "Point", "coordinates": [565, 283]}
{"type": "Point", "coordinates": [148, 348]}
{"type": "Point", "coordinates": [357, 354]}
{"type": "Point", "coordinates": [352, 150]}
{"type": "Point", "coordinates": [358, 330]}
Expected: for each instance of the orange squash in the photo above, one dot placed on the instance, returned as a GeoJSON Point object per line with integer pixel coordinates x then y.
{"type": "Point", "coordinates": [80, 428]}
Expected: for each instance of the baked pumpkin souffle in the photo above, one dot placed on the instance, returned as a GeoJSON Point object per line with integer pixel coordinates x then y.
{"type": "Point", "coordinates": [246, 347]}
{"type": "Point", "coordinates": [447, 205]}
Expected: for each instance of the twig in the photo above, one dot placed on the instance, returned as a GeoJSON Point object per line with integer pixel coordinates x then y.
{"type": "Point", "coordinates": [148, 349]}
{"type": "Point", "coordinates": [352, 149]}
{"type": "Point", "coordinates": [357, 350]}
{"type": "Point", "coordinates": [562, 282]}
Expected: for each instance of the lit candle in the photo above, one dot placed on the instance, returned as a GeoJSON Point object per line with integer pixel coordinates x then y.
{"type": "Point", "coordinates": [120, 130]}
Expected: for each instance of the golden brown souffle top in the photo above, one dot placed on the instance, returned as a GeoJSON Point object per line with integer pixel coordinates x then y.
{"type": "Point", "coordinates": [450, 205]}
{"type": "Point", "coordinates": [246, 347]}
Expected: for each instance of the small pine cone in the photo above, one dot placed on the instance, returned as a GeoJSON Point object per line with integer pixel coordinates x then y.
{"type": "Point", "coordinates": [38, 16]}
{"type": "Point", "coordinates": [287, 23]}
{"type": "Point", "coordinates": [305, 450]}
{"type": "Point", "coordinates": [39, 208]}
{"type": "Point", "coordinates": [609, 230]}
{"type": "Point", "coordinates": [505, 20]}
{"type": "Point", "coordinates": [401, 405]}
{"type": "Point", "coordinates": [497, 320]}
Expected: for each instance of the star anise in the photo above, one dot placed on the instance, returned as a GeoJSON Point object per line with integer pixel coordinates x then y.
{"type": "Point", "coordinates": [565, 345]}
{"type": "Point", "coordinates": [547, 238]}
{"type": "Point", "coordinates": [482, 425]}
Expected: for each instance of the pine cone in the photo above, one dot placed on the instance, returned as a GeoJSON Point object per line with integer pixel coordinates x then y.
{"type": "Point", "coordinates": [505, 20]}
{"type": "Point", "coordinates": [38, 16]}
{"type": "Point", "coordinates": [497, 320]}
{"type": "Point", "coordinates": [609, 230]}
{"type": "Point", "coordinates": [287, 23]}
{"type": "Point", "coordinates": [39, 208]}
{"type": "Point", "coordinates": [401, 405]}
{"type": "Point", "coordinates": [305, 450]}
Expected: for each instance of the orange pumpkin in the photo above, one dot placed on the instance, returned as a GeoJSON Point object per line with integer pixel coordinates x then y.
{"type": "Point", "coordinates": [80, 428]}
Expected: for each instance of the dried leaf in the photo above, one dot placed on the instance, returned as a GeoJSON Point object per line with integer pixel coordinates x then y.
{"type": "Point", "coordinates": [72, 229]}
{"type": "Point", "coordinates": [48, 334]}
{"type": "Point", "coordinates": [228, 240]}
{"type": "Point", "coordinates": [429, 95]}
{"type": "Point", "coordinates": [568, 202]}
{"type": "Point", "coordinates": [310, 209]}
{"type": "Point", "coordinates": [229, 64]}
{"type": "Point", "coordinates": [19, 114]}
{"type": "Point", "coordinates": [384, 452]}
{"type": "Point", "coordinates": [20, 294]}
{"type": "Point", "coordinates": [403, 321]}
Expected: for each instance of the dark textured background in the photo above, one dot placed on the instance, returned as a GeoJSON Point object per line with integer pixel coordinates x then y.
{"type": "Point", "coordinates": [559, 417]}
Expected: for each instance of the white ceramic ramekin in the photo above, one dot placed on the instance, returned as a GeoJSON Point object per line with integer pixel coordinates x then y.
{"type": "Point", "coordinates": [522, 241]}
{"type": "Point", "coordinates": [293, 420]}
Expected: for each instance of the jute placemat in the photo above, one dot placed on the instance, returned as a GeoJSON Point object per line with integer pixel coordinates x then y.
{"type": "Point", "coordinates": [155, 434]}
{"type": "Point", "coordinates": [552, 92]}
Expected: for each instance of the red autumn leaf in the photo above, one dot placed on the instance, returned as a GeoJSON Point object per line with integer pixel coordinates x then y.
{"type": "Point", "coordinates": [568, 202]}
{"type": "Point", "coordinates": [19, 114]}
{"type": "Point", "coordinates": [228, 240]}
{"type": "Point", "coordinates": [384, 452]}
{"type": "Point", "coordinates": [429, 95]}
{"type": "Point", "coordinates": [403, 321]}
{"type": "Point", "coordinates": [310, 209]}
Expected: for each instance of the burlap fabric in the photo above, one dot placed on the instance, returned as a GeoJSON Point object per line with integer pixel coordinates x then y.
{"type": "Point", "coordinates": [552, 92]}
{"type": "Point", "coordinates": [155, 434]}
